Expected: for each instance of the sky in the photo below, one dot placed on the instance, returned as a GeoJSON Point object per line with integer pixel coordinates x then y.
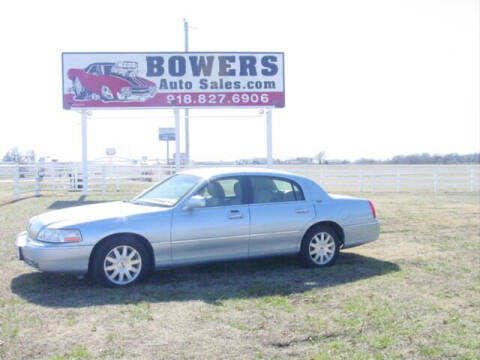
{"type": "Point", "coordinates": [363, 79]}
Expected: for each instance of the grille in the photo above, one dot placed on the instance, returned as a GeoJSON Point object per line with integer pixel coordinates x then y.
{"type": "Point", "coordinates": [140, 90]}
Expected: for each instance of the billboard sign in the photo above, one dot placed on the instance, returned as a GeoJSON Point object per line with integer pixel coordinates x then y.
{"type": "Point", "coordinates": [166, 134]}
{"type": "Point", "coordinates": [161, 80]}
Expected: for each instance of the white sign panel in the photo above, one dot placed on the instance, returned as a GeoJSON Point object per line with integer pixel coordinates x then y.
{"type": "Point", "coordinates": [194, 79]}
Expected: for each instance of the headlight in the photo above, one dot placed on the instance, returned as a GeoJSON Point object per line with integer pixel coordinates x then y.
{"type": "Point", "coordinates": [59, 236]}
{"type": "Point", "coordinates": [152, 89]}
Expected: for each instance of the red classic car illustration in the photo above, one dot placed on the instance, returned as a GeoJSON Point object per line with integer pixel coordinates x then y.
{"type": "Point", "coordinates": [111, 82]}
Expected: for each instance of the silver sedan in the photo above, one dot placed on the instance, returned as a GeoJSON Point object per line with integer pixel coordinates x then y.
{"type": "Point", "coordinates": [199, 216]}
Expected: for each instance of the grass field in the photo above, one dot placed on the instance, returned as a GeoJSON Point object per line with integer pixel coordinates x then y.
{"type": "Point", "coordinates": [413, 294]}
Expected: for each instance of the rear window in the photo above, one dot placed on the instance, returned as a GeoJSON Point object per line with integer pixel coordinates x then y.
{"type": "Point", "coordinates": [266, 189]}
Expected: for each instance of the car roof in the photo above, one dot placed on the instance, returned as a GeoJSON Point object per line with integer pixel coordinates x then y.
{"type": "Point", "coordinates": [209, 172]}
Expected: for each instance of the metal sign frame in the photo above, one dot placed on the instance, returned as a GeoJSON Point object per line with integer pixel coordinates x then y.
{"type": "Point", "coordinates": [86, 112]}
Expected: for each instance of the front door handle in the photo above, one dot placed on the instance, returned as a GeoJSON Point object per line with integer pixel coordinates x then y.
{"type": "Point", "coordinates": [302, 211]}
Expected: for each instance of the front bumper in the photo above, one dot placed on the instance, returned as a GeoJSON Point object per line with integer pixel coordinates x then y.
{"type": "Point", "coordinates": [52, 257]}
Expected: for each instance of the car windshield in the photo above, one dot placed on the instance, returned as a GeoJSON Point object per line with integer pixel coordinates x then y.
{"type": "Point", "coordinates": [168, 192]}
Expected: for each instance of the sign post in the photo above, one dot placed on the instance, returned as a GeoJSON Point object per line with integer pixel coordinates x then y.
{"type": "Point", "coordinates": [176, 112]}
{"type": "Point", "coordinates": [168, 153]}
{"type": "Point", "coordinates": [269, 138]}
{"type": "Point", "coordinates": [187, 121]}
{"type": "Point", "coordinates": [167, 134]}
{"type": "Point", "coordinates": [84, 154]}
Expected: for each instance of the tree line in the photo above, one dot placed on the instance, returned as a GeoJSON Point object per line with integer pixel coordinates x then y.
{"type": "Point", "coordinates": [426, 158]}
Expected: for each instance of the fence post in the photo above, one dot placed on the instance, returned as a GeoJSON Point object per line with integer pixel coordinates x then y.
{"type": "Point", "coordinates": [117, 184]}
{"type": "Point", "coordinates": [360, 180]}
{"type": "Point", "coordinates": [435, 180]}
{"type": "Point", "coordinates": [16, 192]}
{"type": "Point", "coordinates": [37, 180]}
{"type": "Point", "coordinates": [472, 179]}
{"type": "Point", "coordinates": [397, 184]}
{"type": "Point", "coordinates": [74, 180]}
{"type": "Point", "coordinates": [104, 185]}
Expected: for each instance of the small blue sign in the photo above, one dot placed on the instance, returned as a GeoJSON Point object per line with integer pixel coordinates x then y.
{"type": "Point", "coordinates": [166, 134]}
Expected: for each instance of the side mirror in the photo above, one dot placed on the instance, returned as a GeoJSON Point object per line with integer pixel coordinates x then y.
{"type": "Point", "coordinates": [194, 202]}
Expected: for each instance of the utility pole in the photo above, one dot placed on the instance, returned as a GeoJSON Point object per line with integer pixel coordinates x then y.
{"type": "Point", "coordinates": [187, 127]}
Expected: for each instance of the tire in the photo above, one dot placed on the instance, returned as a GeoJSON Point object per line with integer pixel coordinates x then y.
{"type": "Point", "coordinates": [78, 88]}
{"type": "Point", "coordinates": [320, 247]}
{"type": "Point", "coordinates": [121, 262]}
{"type": "Point", "coordinates": [104, 91]}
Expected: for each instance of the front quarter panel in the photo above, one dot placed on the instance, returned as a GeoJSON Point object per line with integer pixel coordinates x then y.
{"type": "Point", "coordinates": [155, 227]}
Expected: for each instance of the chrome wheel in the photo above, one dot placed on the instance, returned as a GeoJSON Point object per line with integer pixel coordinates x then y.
{"type": "Point", "coordinates": [122, 265]}
{"type": "Point", "coordinates": [106, 93]}
{"type": "Point", "coordinates": [322, 248]}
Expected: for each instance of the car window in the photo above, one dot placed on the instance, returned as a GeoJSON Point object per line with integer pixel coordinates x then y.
{"type": "Point", "coordinates": [107, 69]}
{"type": "Point", "coordinates": [222, 192]}
{"type": "Point", "coordinates": [267, 189]}
{"type": "Point", "coordinates": [92, 69]}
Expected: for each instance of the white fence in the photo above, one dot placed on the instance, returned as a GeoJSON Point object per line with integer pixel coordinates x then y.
{"type": "Point", "coordinates": [39, 178]}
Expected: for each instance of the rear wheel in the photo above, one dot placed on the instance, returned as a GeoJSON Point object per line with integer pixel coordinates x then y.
{"type": "Point", "coordinates": [121, 262]}
{"type": "Point", "coordinates": [320, 246]}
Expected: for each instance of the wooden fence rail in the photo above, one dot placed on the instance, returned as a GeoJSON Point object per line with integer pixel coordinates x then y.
{"type": "Point", "coordinates": [33, 179]}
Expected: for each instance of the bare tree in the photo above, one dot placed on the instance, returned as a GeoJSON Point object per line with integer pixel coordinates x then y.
{"type": "Point", "coordinates": [319, 157]}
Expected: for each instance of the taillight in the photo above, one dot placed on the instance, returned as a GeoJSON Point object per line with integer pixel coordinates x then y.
{"type": "Point", "coordinates": [372, 207]}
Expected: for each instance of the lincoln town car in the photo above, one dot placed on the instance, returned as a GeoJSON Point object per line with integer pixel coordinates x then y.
{"type": "Point", "coordinates": [198, 216]}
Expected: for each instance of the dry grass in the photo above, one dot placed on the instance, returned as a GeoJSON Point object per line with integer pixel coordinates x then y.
{"type": "Point", "coordinates": [413, 294]}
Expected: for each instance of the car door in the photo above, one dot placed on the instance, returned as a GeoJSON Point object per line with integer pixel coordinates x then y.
{"type": "Point", "coordinates": [279, 214]}
{"type": "Point", "coordinates": [218, 231]}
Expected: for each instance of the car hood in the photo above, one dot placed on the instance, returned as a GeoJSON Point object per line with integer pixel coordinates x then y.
{"type": "Point", "coordinates": [133, 81]}
{"type": "Point", "coordinates": [88, 213]}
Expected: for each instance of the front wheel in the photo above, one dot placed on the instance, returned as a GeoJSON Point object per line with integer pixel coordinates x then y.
{"type": "Point", "coordinates": [320, 247]}
{"type": "Point", "coordinates": [120, 262]}
{"type": "Point", "coordinates": [78, 88]}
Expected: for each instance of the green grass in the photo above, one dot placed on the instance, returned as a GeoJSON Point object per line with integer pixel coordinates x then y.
{"type": "Point", "coordinates": [413, 294]}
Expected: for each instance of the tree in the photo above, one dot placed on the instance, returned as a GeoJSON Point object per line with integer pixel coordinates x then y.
{"type": "Point", "coordinates": [13, 155]}
{"type": "Point", "coordinates": [320, 157]}
{"type": "Point", "coordinates": [29, 156]}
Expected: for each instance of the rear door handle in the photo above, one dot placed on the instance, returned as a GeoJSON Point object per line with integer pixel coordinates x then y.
{"type": "Point", "coordinates": [302, 211]}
